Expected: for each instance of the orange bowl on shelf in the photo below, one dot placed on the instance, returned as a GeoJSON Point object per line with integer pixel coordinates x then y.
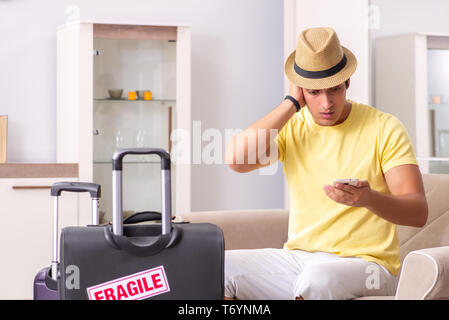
{"type": "Point", "coordinates": [436, 99]}
{"type": "Point", "coordinates": [147, 95]}
{"type": "Point", "coordinates": [132, 95]}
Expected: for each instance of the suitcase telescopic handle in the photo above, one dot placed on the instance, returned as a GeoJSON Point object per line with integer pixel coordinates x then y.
{"type": "Point", "coordinates": [56, 189]}
{"type": "Point", "coordinates": [93, 188]}
{"type": "Point", "coordinates": [117, 189]}
{"type": "Point", "coordinates": [117, 159]}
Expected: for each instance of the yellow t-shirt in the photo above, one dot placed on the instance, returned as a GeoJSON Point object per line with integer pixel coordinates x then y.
{"type": "Point", "coordinates": [366, 145]}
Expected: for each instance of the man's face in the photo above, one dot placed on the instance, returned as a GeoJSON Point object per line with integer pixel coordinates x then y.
{"type": "Point", "coordinates": [327, 106]}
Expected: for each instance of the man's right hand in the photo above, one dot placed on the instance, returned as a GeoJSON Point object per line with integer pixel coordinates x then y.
{"type": "Point", "coordinates": [297, 93]}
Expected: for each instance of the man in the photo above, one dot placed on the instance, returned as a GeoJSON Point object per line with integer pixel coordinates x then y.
{"type": "Point", "coordinates": [342, 240]}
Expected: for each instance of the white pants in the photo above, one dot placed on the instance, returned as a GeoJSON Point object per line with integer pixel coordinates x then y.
{"type": "Point", "coordinates": [281, 274]}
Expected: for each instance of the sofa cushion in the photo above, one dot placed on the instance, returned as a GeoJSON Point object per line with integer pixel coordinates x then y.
{"type": "Point", "coordinates": [436, 231]}
{"type": "Point", "coordinates": [246, 229]}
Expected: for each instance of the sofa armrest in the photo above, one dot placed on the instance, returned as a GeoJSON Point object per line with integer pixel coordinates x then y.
{"type": "Point", "coordinates": [246, 229]}
{"type": "Point", "coordinates": [425, 275]}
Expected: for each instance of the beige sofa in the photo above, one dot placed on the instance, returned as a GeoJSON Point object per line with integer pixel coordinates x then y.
{"type": "Point", "coordinates": [424, 251]}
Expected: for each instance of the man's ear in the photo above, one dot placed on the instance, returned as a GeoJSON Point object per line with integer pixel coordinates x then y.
{"type": "Point", "coordinates": [304, 92]}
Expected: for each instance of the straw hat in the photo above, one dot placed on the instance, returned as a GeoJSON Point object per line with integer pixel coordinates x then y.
{"type": "Point", "coordinates": [319, 60]}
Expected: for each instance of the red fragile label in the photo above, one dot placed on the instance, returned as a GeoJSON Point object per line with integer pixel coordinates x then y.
{"type": "Point", "coordinates": [136, 286]}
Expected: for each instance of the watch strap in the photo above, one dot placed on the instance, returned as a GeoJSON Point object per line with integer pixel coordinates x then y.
{"type": "Point", "coordinates": [295, 102]}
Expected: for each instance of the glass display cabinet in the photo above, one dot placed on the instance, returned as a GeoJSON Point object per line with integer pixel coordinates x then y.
{"type": "Point", "coordinates": [438, 104]}
{"type": "Point", "coordinates": [122, 86]}
{"type": "Point", "coordinates": [412, 83]}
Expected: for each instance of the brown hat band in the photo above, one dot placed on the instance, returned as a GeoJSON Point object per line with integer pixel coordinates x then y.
{"type": "Point", "coordinates": [323, 73]}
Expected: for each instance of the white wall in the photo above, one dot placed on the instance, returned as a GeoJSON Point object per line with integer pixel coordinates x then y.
{"type": "Point", "coordinates": [237, 77]}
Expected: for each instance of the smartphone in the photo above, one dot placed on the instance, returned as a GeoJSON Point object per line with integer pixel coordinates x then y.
{"type": "Point", "coordinates": [351, 181]}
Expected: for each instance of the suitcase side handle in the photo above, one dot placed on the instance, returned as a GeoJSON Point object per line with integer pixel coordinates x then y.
{"type": "Point", "coordinates": [117, 188]}
{"type": "Point", "coordinates": [123, 242]}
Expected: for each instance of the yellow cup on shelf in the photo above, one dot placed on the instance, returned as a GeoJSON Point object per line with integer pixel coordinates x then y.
{"type": "Point", "coordinates": [132, 95]}
{"type": "Point", "coordinates": [147, 95]}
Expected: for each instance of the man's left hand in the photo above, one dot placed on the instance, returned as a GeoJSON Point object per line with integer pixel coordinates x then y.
{"type": "Point", "coordinates": [357, 196]}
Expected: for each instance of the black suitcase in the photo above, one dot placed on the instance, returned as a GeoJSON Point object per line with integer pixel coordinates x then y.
{"type": "Point", "coordinates": [45, 285]}
{"type": "Point", "coordinates": [142, 261]}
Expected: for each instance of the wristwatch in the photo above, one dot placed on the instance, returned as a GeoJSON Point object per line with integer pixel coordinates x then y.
{"type": "Point", "coordinates": [295, 102]}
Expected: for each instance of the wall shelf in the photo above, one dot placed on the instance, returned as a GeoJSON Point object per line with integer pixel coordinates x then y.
{"type": "Point", "coordinates": [135, 101]}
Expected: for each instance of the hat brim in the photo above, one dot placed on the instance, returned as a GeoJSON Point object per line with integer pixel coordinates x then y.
{"type": "Point", "coordinates": [322, 83]}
